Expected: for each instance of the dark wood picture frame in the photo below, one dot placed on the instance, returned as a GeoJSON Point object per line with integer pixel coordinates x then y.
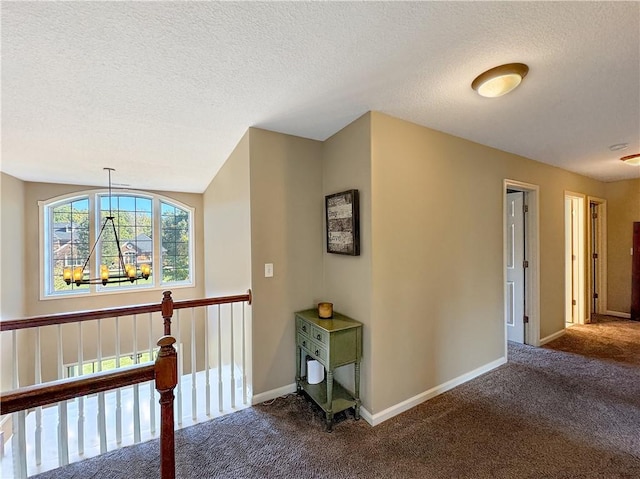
{"type": "Point", "coordinates": [342, 212]}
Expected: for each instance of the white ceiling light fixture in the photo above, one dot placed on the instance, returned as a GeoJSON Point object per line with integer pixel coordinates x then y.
{"type": "Point", "coordinates": [500, 80]}
{"type": "Point", "coordinates": [619, 147]}
{"type": "Point", "coordinates": [633, 160]}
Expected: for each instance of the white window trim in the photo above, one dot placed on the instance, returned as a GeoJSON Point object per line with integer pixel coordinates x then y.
{"type": "Point", "coordinates": [44, 254]}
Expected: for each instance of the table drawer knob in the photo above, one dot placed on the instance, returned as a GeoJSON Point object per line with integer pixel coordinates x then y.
{"type": "Point", "coordinates": [317, 353]}
{"type": "Point", "coordinates": [319, 337]}
{"type": "Point", "coordinates": [304, 328]}
{"type": "Point", "coordinates": [304, 343]}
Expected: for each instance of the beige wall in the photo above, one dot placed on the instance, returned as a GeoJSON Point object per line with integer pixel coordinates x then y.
{"type": "Point", "coordinates": [437, 235]}
{"type": "Point", "coordinates": [286, 230]}
{"type": "Point", "coordinates": [227, 226]}
{"type": "Point", "coordinates": [227, 255]}
{"type": "Point", "coordinates": [623, 208]}
{"type": "Point", "coordinates": [346, 164]}
{"type": "Point", "coordinates": [12, 252]}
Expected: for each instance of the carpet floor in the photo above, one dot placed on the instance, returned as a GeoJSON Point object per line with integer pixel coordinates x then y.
{"type": "Point", "coordinates": [563, 411]}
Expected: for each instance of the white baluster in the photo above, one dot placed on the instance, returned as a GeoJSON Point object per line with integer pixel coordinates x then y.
{"type": "Point", "coordinates": [38, 373]}
{"type": "Point", "coordinates": [102, 420]}
{"type": "Point", "coordinates": [63, 434]}
{"type": "Point", "coordinates": [152, 391]}
{"type": "Point", "coordinates": [80, 399]}
{"type": "Point", "coordinates": [206, 362]}
{"type": "Point", "coordinates": [19, 439]}
{"type": "Point", "coordinates": [179, 387]}
{"type": "Point", "coordinates": [118, 392]}
{"type": "Point", "coordinates": [233, 363]}
{"type": "Point", "coordinates": [15, 382]}
{"type": "Point", "coordinates": [245, 399]}
{"type": "Point", "coordinates": [19, 444]}
{"type": "Point", "coordinates": [194, 402]}
{"type": "Point", "coordinates": [136, 387]}
{"type": "Point", "coordinates": [220, 388]}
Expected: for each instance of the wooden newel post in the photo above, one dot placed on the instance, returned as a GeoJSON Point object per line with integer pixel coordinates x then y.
{"type": "Point", "coordinates": [166, 381]}
{"type": "Point", "coordinates": [167, 311]}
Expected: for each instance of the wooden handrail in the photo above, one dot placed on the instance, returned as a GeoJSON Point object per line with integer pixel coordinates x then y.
{"type": "Point", "coordinates": [80, 316]}
{"type": "Point", "coordinates": [76, 317]}
{"type": "Point", "coordinates": [194, 303]}
{"type": "Point", "coordinates": [164, 371]}
{"type": "Point", "coordinates": [63, 389]}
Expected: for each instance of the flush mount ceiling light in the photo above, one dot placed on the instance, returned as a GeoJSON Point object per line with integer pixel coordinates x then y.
{"type": "Point", "coordinates": [633, 160]}
{"type": "Point", "coordinates": [619, 147]}
{"type": "Point", "coordinates": [500, 80]}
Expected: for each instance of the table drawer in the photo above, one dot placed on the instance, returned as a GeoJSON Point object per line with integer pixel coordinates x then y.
{"type": "Point", "coordinates": [318, 352]}
{"type": "Point", "coordinates": [304, 342]}
{"type": "Point", "coordinates": [320, 335]}
{"type": "Point", "coordinates": [302, 327]}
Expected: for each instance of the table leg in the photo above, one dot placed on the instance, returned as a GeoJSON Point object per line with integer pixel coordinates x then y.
{"type": "Point", "coordinates": [298, 361]}
{"type": "Point", "coordinates": [329, 401]}
{"type": "Point", "coordinates": [357, 391]}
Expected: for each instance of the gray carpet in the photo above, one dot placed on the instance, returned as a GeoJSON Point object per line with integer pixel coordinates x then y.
{"type": "Point", "coordinates": [545, 414]}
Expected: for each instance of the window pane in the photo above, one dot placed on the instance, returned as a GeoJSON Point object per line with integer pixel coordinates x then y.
{"type": "Point", "coordinates": [68, 241]}
{"type": "Point", "coordinates": [132, 223]}
{"type": "Point", "coordinates": [175, 244]}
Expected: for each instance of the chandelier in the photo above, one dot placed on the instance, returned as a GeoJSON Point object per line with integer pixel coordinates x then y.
{"type": "Point", "coordinates": [126, 271]}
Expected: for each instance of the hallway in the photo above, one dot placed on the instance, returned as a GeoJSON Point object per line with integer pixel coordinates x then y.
{"type": "Point", "coordinates": [608, 338]}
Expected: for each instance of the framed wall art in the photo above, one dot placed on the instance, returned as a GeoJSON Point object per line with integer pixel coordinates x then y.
{"type": "Point", "coordinates": [343, 223]}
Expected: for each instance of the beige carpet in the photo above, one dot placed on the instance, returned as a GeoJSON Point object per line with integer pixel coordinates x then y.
{"type": "Point", "coordinates": [608, 338]}
{"type": "Point", "coordinates": [548, 413]}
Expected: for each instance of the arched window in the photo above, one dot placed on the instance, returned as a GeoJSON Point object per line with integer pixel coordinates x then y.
{"type": "Point", "coordinates": [151, 230]}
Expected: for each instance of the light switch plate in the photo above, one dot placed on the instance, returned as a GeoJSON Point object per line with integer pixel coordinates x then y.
{"type": "Point", "coordinates": [268, 270]}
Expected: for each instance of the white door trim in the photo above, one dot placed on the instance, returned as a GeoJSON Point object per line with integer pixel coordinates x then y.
{"type": "Point", "coordinates": [532, 273]}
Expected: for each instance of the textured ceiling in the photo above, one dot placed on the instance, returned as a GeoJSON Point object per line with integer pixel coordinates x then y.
{"type": "Point", "coordinates": [164, 91]}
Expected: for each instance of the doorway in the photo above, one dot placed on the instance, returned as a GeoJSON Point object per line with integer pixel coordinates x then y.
{"type": "Point", "coordinates": [521, 263]}
{"type": "Point", "coordinates": [516, 282]}
{"type": "Point", "coordinates": [574, 215]}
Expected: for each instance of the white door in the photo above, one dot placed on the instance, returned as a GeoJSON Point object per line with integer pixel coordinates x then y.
{"type": "Point", "coordinates": [575, 261]}
{"type": "Point", "coordinates": [514, 295]}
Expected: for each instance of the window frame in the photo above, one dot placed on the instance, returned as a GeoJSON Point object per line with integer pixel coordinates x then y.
{"type": "Point", "coordinates": [95, 223]}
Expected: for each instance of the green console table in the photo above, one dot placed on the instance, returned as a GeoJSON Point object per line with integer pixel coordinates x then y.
{"type": "Point", "coordinates": [333, 342]}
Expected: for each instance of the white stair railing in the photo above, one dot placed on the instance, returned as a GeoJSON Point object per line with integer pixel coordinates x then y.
{"type": "Point", "coordinates": [215, 331]}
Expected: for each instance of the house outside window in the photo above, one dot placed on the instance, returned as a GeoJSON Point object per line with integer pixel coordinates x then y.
{"type": "Point", "coordinates": [151, 229]}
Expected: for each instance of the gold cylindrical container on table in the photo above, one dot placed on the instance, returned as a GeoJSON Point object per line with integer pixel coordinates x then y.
{"type": "Point", "coordinates": [325, 310]}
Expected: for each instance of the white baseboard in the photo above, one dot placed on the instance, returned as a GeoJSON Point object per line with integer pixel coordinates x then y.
{"type": "Point", "coordinates": [399, 408]}
{"type": "Point", "coordinates": [618, 314]}
{"type": "Point", "coordinates": [366, 415]}
{"type": "Point", "coordinates": [274, 393]}
{"type": "Point", "coordinates": [551, 337]}
{"type": "Point", "coordinates": [375, 419]}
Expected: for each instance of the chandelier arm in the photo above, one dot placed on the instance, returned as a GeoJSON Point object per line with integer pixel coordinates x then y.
{"type": "Point", "coordinates": [124, 275]}
{"type": "Point", "coordinates": [120, 256]}
{"type": "Point", "coordinates": [97, 241]}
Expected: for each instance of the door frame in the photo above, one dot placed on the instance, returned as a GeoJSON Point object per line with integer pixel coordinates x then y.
{"type": "Point", "coordinates": [601, 270]}
{"type": "Point", "coordinates": [532, 255]}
